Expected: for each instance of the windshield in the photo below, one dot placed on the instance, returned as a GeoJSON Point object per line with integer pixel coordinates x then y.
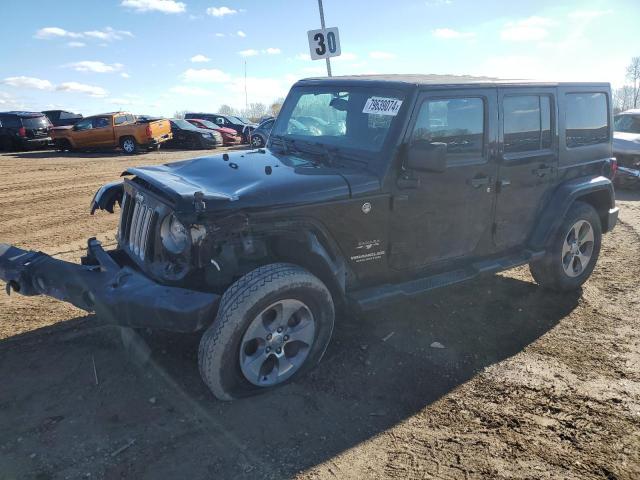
{"type": "Point", "coordinates": [626, 123]}
{"type": "Point", "coordinates": [354, 117]}
{"type": "Point", "coordinates": [183, 124]}
{"type": "Point", "coordinates": [208, 124]}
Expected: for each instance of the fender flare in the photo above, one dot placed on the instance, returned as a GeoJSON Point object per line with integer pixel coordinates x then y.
{"type": "Point", "coordinates": [107, 196]}
{"type": "Point", "coordinates": [561, 200]}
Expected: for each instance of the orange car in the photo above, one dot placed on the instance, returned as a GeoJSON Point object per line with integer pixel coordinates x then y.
{"type": "Point", "coordinates": [119, 129]}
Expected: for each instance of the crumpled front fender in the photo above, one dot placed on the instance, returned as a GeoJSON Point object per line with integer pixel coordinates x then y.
{"type": "Point", "coordinates": [107, 196]}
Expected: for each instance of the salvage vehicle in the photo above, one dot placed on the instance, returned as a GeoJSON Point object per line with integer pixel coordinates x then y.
{"type": "Point", "coordinates": [24, 130]}
{"type": "Point", "coordinates": [229, 135]}
{"type": "Point", "coordinates": [433, 181]}
{"type": "Point", "coordinates": [187, 135]}
{"type": "Point", "coordinates": [61, 118]}
{"type": "Point", "coordinates": [260, 135]}
{"type": "Point", "coordinates": [626, 148]}
{"type": "Point", "coordinates": [243, 127]}
{"type": "Point", "coordinates": [112, 130]}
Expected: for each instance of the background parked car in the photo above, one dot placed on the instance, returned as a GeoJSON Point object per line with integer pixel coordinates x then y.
{"type": "Point", "coordinates": [186, 135]}
{"type": "Point", "coordinates": [260, 135]}
{"type": "Point", "coordinates": [110, 130]}
{"type": "Point", "coordinates": [242, 126]}
{"type": "Point", "coordinates": [229, 135]}
{"type": "Point", "coordinates": [24, 130]}
{"type": "Point", "coordinates": [61, 118]}
{"type": "Point", "coordinates": [626, 145]}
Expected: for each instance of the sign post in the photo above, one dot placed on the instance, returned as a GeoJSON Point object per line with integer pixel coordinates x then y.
{"type": "Point", "coordinates": [324, 43]}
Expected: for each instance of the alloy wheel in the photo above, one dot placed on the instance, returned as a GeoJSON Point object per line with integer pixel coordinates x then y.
{"type": "Point", "coordinates": [277, 342]}
{"type": "Point", "coordinates": [577, 248]}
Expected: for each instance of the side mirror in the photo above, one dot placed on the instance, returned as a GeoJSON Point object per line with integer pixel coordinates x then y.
{"type": "Point", "coordinates": [427, 156]}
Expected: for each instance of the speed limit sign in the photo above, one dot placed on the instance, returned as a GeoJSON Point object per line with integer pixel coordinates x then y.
{"type": "Point", "coordinates": [324, 43]}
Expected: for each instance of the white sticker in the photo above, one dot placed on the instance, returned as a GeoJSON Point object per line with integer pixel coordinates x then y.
{"type": "Point", "coordinates": [382, 106]}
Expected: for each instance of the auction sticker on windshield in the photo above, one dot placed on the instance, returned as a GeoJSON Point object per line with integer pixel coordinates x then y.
{"type": "Point", "coordinates": [382, 106]}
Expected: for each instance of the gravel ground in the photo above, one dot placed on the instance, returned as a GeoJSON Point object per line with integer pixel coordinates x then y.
{"type": "Point", "coordinates": [529, 384]}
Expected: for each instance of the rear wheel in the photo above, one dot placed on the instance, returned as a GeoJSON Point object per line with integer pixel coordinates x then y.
{"type": "Point", "coordinates": [129, 145]}
{"type": "Point", "coordinates": [573, 251]}
{"type": "Point", "coordinates": [272, 325]}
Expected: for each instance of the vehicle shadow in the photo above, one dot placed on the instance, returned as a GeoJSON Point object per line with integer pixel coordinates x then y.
{"type": "Point", "coordinates": [75, 393]}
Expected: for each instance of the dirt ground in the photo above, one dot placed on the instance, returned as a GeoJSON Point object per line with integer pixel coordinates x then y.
{"type": "Point", "coordinates": [529, 384]}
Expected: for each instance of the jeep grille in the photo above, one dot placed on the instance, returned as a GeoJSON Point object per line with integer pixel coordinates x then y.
{"type": "Point", "coordinates": [136, 224]}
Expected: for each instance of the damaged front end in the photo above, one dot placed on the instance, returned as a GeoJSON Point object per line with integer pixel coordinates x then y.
{"type": "Point", "coordinates": [119, 294]}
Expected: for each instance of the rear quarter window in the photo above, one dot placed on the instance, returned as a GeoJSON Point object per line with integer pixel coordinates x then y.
{"type": "Point", "coordinates": [586, 119]}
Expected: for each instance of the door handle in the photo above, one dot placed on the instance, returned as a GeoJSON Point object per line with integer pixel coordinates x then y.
{"type": "Point", "coordinates": [542, 171]}
{"type": "Point", "coordinates": [479, 181]}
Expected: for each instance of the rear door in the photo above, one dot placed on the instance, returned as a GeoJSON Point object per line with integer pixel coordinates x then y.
{"type": "Point", "coordinates": [528, 161]}
{"type": "Point", "coordinates": [443, 216]}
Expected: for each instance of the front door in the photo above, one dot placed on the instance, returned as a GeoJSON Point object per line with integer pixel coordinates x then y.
{"type": "Point", "coordinates": [528, 161]}
{"type": "Point", "coordinates": [443, 216]}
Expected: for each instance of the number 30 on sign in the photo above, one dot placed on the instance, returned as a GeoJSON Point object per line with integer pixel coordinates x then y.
{"type": "Point", "coordinates": [324, 43]}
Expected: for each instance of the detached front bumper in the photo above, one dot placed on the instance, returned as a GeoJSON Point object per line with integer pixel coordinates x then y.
{"type": "Point", "coordinates": [119, 295]}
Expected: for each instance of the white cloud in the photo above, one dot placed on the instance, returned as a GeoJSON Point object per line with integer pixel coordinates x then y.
{"type": "Point", "coordinates": [28, 82]}
{"type": "Point", "coordinates": [108, 34]}
{"type": "Point", "coordinates": [344, 57]}
{"type": "Point", "coordinates": [240, 33]}
{"type": "Point", "coordinates": [450, 34]}
{"type": "Point", "coordinates": [302, 56]}
{"type": "Point", "coordinates": [76, 87]}
{"type": "Point", "coordinates": [221, 11]}
{"type": "Point", "coordinates": [55, 32]}
{"type": "Point", "coordinates": [199, 58]}
{"type": "Point", "coordinates": [219, 34]}
{"type": "Point", "coordinates": [381, 55]}
{"type": "Point", "coordinates": [205, 75]}
{"type": "Point", "coordinates": [529, 29]}
{"type": "Point", "coordinates": [164, 6]}
{"type": "Point", "coordinates": [438, 3]}
{"type": "Point", "coordinates": [272, 51]}
{"type": "Point", "coordinates": [76, 44]}
{"type": "Point", "coordinates": [249, 53]}
{"type": "Point", "coordinates": [95, 66]}
{"type": "Point", "coordinates": [125, 75]}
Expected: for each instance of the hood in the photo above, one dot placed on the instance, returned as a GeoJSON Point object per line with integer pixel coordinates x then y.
{"type": "Point", "coordinates": [251, 179]}
{"type": "Point", "coordinates": [626, 143]}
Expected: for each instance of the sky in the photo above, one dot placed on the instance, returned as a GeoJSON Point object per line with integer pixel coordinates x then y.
{"type": "Point", "coordinates": [158, 57]}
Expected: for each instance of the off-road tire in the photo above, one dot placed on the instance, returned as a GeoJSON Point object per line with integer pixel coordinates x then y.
{"type": "Point", "coordinates": [218, 353]}
{"type": "Point", "coordinates": [129, 145]}
{"type": "Point", "coordinates": [548, 271]}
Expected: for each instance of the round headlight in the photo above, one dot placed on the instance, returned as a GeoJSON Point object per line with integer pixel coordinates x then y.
{"type": "Point", "coordinates": [174, 235]}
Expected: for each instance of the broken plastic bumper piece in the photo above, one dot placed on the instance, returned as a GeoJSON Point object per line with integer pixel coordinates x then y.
{"type": "Point", "coordinates": [119, 295]}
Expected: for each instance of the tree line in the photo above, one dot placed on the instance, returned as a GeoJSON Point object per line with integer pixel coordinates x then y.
{"type": "Point", "coordinates": [628, 96]}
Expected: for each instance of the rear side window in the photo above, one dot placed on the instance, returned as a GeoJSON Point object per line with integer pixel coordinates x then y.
{"type": "Point", "coordinates": [11, 121]}
{"type": "Point", "coordinates": [120, 119]}
{"type": "Point", "coordinates": [587, 119]}
{"type": "Point", "coordinates": [458, 122]}
{"type": "Point", "coordinates": [527, 123]}
{"type": "Point", "coordinates": [35, 122]}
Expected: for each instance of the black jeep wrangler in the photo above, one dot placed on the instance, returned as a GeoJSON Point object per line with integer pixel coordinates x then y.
{"type": "Point", "coordinates": [402, 185]}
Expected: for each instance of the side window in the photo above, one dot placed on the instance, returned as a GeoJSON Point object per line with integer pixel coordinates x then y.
{"type": "Point", "coordinates": [86, 124]}
{"type": "Point", "coordinates": [527, 123]}
{"type": "Point", "coordinates": [586, 119]}
{"type": "Point", "coordinates": [119, 120]}
{"type": "Point", "coordinates": [220, 120]}
{"type": "Point", "coordinates": [102, 122]}
{"type": "Point", "coordinates": [458, 122]}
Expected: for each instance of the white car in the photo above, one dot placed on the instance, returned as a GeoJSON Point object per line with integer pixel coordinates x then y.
{"type": "Point", "coordinates": [626, 143]}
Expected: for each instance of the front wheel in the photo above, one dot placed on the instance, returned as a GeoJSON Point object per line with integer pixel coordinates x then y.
{"type": "Point", "coordinates": [273, 324]}
{"type": "Point", "coordinates": [257, 141]}
{"type": "Point", "coordinates": [573, 251]}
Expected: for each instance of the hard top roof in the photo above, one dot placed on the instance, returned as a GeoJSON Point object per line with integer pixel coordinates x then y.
{"type": "Point", "coordinates": [407, 80]}
{"type": "Point", "coordinates": [21, 113]}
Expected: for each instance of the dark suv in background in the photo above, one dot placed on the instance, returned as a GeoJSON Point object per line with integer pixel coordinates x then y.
{"type": "Point", "coordinates": [244, 127]}
{"type": "Point", "coordinates": [19, 130]}
{"type": "Point", "coordinates": [62, 118]}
